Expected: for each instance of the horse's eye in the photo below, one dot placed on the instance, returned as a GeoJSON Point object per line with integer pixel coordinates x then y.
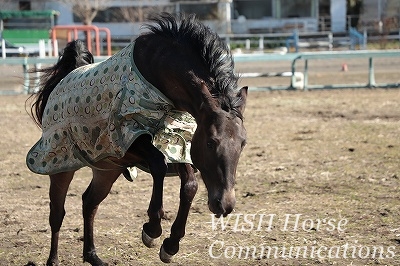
{"type": "Point", "coordinates": [210, 145]}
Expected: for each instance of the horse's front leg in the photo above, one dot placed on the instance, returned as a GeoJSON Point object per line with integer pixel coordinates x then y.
{"type": "Point", "coordinates": [152, 229]}
{"type": "Point", "coordinates": [158, 168]}
{"type": "Point", "coordinates": [187, 192]}
{"type": "Point", "coordinates": [96, 192]}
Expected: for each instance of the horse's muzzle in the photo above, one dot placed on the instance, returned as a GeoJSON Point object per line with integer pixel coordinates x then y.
{"type": "Point", "coordinates": [222, 205]}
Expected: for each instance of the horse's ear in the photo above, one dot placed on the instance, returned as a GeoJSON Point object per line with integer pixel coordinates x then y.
{"type": "Point", "coordinates": [242, 95]}
{"type": "Point", "coordinates": [208, 100]}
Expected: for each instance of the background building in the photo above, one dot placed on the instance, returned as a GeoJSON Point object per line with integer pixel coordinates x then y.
{"type": "Point", "coordinates": [123, 17]}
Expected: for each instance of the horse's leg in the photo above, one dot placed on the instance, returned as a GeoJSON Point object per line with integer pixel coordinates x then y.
{"type": "Point", "coordinates": [152, 229]}
{"type": "Point", "coordinates": [59, 184]}
{"type": "Point", "coordinates": [187, 192]}
{"type": "Point", "coordinates": [96, 192]}
{"type": "Point", "coordinates": [158, 168]}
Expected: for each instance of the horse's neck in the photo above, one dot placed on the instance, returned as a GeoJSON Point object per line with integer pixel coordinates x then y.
{"type": "Point", "coordinates": [170, 71]}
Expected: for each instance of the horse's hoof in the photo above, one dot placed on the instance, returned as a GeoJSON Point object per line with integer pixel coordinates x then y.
{"type": "Point", "coordinates": [149, 241]}
{"type": "Point", "coordinates": [164, 256]}
{"type": "Point", "coordinates": [52, 263]}
{"type": "Point", "coordinates": [92, 258]}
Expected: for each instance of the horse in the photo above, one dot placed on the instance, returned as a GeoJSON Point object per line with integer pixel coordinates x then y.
{"type": "Point", "coordinates": [90, 117]}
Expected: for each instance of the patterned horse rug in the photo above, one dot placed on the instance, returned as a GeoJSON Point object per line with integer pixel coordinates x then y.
{"type": "Point", "coordinates": [98, 111]}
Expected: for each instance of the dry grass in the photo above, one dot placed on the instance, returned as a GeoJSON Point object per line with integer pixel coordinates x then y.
{"type": "Point", "coordinates": [322, 154]}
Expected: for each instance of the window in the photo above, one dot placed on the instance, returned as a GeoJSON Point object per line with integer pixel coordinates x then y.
{"type": "Point", "coordinates": [127, 14]}
{"type": "Point", "coordinates": [205, 11]}
{"type": "Point", "coordinates": [112, 14]}
{"type": "Point", "coordinates": [24, 5]}
{"type": "Point", "coordinates": [296, 8]}
{"type": "Point", "coordinates": [253, 9]}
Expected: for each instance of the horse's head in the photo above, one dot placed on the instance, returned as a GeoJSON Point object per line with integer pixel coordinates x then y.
{"type": "Point", "coordinates": [216, 146]}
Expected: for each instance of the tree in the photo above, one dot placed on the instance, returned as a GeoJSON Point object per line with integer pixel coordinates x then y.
{"type": "Point", "coordinates": [6, 4]}
{"type": "Point", "coordinates": [142, 10]}
{"type": "Point", "coordinates": [86, 10]}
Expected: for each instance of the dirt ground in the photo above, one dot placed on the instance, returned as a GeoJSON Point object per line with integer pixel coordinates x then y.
{"type": "Point", "coordinates": [317, 184]}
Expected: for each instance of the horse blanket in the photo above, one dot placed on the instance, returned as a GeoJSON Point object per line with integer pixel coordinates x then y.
{"type": "Point", "coordinates": [98, 111]}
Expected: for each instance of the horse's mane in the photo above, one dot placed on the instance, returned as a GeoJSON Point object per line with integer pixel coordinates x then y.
{"type": "Point", "coordinates": [74, 55]}
{"type": "Point", "coordinates": [215, 53]}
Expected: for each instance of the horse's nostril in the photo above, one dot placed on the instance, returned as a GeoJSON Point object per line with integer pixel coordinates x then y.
{"type": "Point", "coordinates": [220, 207]}
{"type": "Point", "coordinates": [216, 207]}
{"type": "Point", "coordinates": [228, 210]}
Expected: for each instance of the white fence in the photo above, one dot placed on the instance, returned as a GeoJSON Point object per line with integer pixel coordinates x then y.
{"type": "Point", "coordinates": [299, 79]}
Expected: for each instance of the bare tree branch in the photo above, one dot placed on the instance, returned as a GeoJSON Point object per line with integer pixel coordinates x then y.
{"type": "Point", "coordinates": [141, 12]}
{"type": "Point", "coordinates": [86, 10]}
{"type": "Point", "coordinates": [6, 4]}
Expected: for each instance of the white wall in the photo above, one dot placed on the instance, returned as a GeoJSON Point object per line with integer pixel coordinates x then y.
{"type": "Point", "coordinates": [66, 15]}
{"type": "Point", "coordinates": [338, 15]}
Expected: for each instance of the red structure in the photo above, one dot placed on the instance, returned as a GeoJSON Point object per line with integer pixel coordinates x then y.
{"type": "Point", "coordinates": [86, 28]}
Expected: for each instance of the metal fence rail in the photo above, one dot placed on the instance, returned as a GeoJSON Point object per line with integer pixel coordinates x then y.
{"type": "Point", "coordinates": [345, 54]}
{"type": "Point", "coordinates": [26, 62]}
{"type": "Point", "coordinates": [325, 55]}
{"type": "Point", "coordinates": [293, 70]}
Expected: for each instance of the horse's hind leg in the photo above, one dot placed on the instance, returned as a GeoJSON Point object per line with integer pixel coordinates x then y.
{"type": "Point", "coordinates": [187, 192]}
{"type": "Point", "coordinates": [59, 184]}
{"type": "Point", "coordinates": [96, 192]}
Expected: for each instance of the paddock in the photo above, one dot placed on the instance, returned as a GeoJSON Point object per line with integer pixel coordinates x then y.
{"type": "Point", "coordinates": [324, 164]}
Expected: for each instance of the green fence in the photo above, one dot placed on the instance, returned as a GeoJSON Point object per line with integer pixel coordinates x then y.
{"type": "Point", "coordinates": [25, 36]}
{"type": "Point", "coordinates": [27, 26]}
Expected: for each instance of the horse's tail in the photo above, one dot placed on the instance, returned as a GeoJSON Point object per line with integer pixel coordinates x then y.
{"type": "Point", "coordinates": [74, 55]}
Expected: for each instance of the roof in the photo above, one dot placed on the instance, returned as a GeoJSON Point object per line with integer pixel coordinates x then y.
{"type": "Point", "coordinates": [6, 14]}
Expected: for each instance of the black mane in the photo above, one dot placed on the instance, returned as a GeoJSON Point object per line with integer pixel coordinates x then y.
{"type": "Point", "coordinates": [215, 53]}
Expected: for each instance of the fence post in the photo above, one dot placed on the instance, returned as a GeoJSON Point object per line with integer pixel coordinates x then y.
{"type": "Point", "coordinates": [248, 46]}
{"type": "Point", "coordinates": [37, 78]}
{"type": "Point", "coordinates": [261, 43]}
{"type": "Point", "coordinates": [228, 41]}
{"type": "Point", "coordinates": [50, 48]}
{"type": "Point", "coordinates": [305, 74]}
{"type": "Point", "coordinates": [3, 50]}
{"type": "Point", "coordinates": [293, 78]}
{"type": "Point", "coordinates": [330, 39]}
{"type": "Point", "coordinates": [42, 48]}
{"type": "Point", "coordinates": [371, 76]}
{"type": "Point", "coordinates": [365, 36]}
{"type": "Point", "coordinates": [295, 38]}
{"type": "Point", "coordinates": [25, 68]}
{"type": "Point", "coordinates": [55, 45]}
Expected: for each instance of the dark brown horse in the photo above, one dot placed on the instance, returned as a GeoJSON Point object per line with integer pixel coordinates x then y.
{"type": "Point", "coordinates": [194, 70]}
